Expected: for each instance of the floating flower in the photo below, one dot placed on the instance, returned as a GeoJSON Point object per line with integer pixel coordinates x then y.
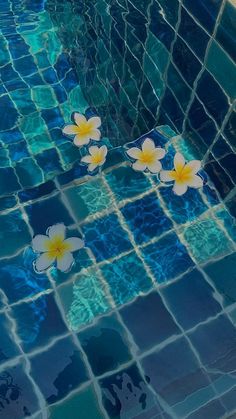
{"type": "Point", "coordinates": [54, 247]}
{"type": "Point", "coordinates": [84, 129]}
{"type": "Point", "coordinates": [147, 157]}
{"type": "Point", "coordinates": [95, 158]}
{"type": "Point", "coordinates": [184, 175]}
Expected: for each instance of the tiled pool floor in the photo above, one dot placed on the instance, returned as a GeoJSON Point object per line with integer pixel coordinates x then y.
{"type": "Point", "coordinates": [143, 326]}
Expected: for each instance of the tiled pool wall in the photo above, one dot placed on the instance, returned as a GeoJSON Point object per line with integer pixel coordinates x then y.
{"type": "Point", "coordinates": [158, 61]}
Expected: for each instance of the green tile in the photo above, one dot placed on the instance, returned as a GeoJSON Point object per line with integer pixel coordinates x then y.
{"type": "Point", "coordinates": [206, 240]}
{"type": "Point", "coordinates": [14, 232]}
{"type": "Point", "coordinates": [82, 405]}
{"type": "Point", "coordinates": [77, 101]}
{"type": "Point", "coordinates": [84, 299]}
{"type": "Point", "coordinates": [88, 198]}
{"type": "Point", "coordinates": [223, 68]}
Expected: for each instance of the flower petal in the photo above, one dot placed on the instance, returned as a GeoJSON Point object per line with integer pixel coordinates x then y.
{"type": "Point", "coordinates": [95, 135]}
{"type": "Point", "coordinates": [160, 153]}
{"type": "Point", "coordinates": [103, 150]}
{"type": "Point", "coordinates": [179, 162]}
{"type": "Point", "coordinates": [64, 263]}
{"type": "Point", "coordinates": [139, 166]}
{"type": "Point", "coordinates": [195, 182]}
{"type": "Point", "coordinates": [194, 166]}
{"type": "Point", "coordinates": [95, 122]}
{"type": "Point", "coordinates": [134, 152]}
{"type": "Point", "coordinates": [79, 118]}
{"type": "Point", "coordinates": [58, 230]}
{"type": "Point", "coordinates": [180, 188]}
{"type": "Point", "coordinates": [43, 262]}
{"type": "Point", "coordinates": [70, 130]}
{"type": "Point", "coordinates": [86, 159]}
{"type": "Point", "coordinates": [154, 167]}
{"type": "Point", "coordinates": [167, 175]}
{"type": "Point", "coordinates": [39, 243]}
{"type": "Point", "coordinates": [81, 140]}
{"type": "Point", "coordinates": [75, 243]}
{"type": "Point", "coordinates": [148, 145]}
{"type": "Point", "coordinates": [92, 167]}
{"type": "Point", "coordinates": [93, 150]}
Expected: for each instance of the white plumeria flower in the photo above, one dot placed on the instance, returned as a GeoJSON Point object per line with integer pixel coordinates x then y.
{"type": "Point", "coordinates": [95, 158]}
{"type": "Point", "coordinates": [147, 157]}
{"type": "Point", "coordinates": [54, 247]}
{"type": "Point", "coordinates": [184, 174]}
{"type": "Point", "coordinates": [84, 129]}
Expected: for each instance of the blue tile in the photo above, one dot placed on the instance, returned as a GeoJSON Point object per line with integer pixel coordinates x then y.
{"type": "Point", "coordinates": [49, 161]}
{"type": "Point", "coordinates": [185, 60]}
{"type": "Point", "coordinates": [167, 258]}
{"type": "Point", "coordinates": [183, 208]}
{"type": "Point", "coordinates": [229, 164]}
{"type": "Point", "coordinates": [230, 129]}
{"type": "Point", "coordinates": [206, 13]}
{"type": "Point", "coordinates": [12, 185]}
{"type": "Point", "coordinates": [17, 47]}
{"type": "Point", "coordinates": [174, 372]}
{"type": "Point", "coordinates": [105, 345]}
{"type": "Point", "coordinates": [173, 109]}
{"type": "Point", "coordinates": [38, 322]}
{"type": "Point", "coordinates": [226, 31]}
{"type": "Point", "coordinates": [18, 151]}
{"type": "Point", "coordinates": [223, 276]}
{"type": "Point", "coordinates": [191, 300]}
{"type": "Point", "coordinates": [193, 34]}
{"type": "Point", "coordinates": [146, 218]}
{"type": "Point", "coordinates": [202, 122]}
{"type": "Point", "coordinates": [50, 76]}
{"type": "Point", "coordinates": [159, 26]}
{"type": "Point", "coordinates": [9, 115]}
{"type": "Point", "coordinates": [212, 409]}
{"type": "Point", "coordinates": [133, 278]}
{"type": "Point", "coordinates": [18, 278]}
{"type": "Point", "coordinates": [46, 213]}
{"type": "Point", "coordinates": [18, 398]}
{"type": "Point", "coordinates": [178, 86]}
{"type": "Point", "coordinates": [215, 342]}
{"type": "Point", "coordinates": [25, 66]}
{"type": "Point", "coordinates": [37, 192]}
{"type": "Point", "coordinates": [53, 117]}
{"type": "Point", "coordinates": [149, 321]}
{"type": "Point", "coordinates": [11, 136]}
{"type": "Point", "coordinates": [213, 97]}
{"type": "Point", "coordinates": [221, 147]}
{"type": "Point", "coordinates": [7, 202]}
{"type": "Point", "coordinates": [15, 233]}
{"type": "Point", "coordinates": [106, 238]}
{"type": "Point", "coordinates": [63, 370]}
{"type": "Point", "coordinates": [218, 176]}
{"type": "Point", "coordinates": [62, 65]}
{"type": "Point", "coordinates": [8, 348]}
{"type": "Point", "coordinates": [126, 394]}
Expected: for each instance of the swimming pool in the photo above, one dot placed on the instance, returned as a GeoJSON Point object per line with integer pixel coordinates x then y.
{"type": "Point", "coordinates": [117, 192]}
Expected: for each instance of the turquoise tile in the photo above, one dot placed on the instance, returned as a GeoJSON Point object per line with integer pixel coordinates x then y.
{"type": "Point", "coordinates": [15, 233]}
{"type": "Point", "coordinates": [84, 299]}
{"type": "Point", "coordinates": [126, 278]}
{"type": "Point", "coordinates": [88, 198]}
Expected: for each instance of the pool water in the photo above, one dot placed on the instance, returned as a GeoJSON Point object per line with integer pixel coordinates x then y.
{"type": "Point", "coordinates": [142, 323]}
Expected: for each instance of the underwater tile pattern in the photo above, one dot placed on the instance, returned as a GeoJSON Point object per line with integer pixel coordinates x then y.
{"type": "Point", "coordinates": [143, 326]}
{"type": "Point", "coordinates": [142, 64]}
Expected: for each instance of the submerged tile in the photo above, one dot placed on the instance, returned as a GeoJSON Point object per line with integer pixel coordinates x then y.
{"type": "Point", "coordinates": [84, 299]}
{"type": "Point", "coordinates": [15, 233]}
{"type": "Point", "coordinates": [146, 218]}
{"type": "Point", "coordinates": [8, 347]}
{"type": "Point", "coordinates": [191, 299]}
{"type": "Point", "coordinates": [63, 370]}
{"type": "Point", "coordinates": [85, 402]}
{"type": "Point", "coordinates": [148, 320]}
{"type": "Point", "coordinates": [105, 345]}
{"type": "Point", "coordinates": [167, 258]}
{"type": "Point", "coordinates": [207, 240]}
{"type": "Point", "coordinates": [126, 278]}
{"type": "Point", "coordinates": [18, 398]}
{"type": "Point", "coordinates": [106, 237]}
{"type": "Point", "coordinates": [38, 322]}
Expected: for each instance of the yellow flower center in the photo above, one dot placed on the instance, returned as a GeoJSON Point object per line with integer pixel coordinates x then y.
{"type": "Point", "coordinates": [84, 128]}
{"type": "Point", "coordinates": [182, 174]}
{"type": "Point", "coordinates": [147, 157]}
{"type": "Point", "coordinates": [57, 247]}
{"type": "Point", "coordinates": [97, 158]}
